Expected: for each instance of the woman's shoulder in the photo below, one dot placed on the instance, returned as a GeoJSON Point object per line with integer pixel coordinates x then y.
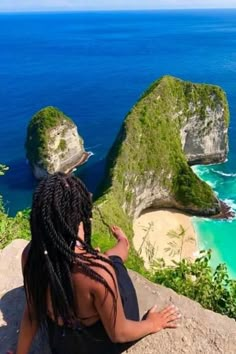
{"type": "Point", "coordinates": [101, 267]}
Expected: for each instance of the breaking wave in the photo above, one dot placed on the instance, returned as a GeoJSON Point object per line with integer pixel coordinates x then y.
{"type": "Point", "coordinates": [223, 173]}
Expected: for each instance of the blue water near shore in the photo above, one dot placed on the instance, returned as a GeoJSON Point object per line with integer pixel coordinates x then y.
{"type": "Point", "coordinates": [94, 66]}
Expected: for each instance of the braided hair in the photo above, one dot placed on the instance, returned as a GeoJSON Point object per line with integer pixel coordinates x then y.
{"type": "Point", "coordinates": [60, 203]}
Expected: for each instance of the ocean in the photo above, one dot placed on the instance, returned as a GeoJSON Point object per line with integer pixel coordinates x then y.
{"type": "Point", "coordinates": [94, 66]}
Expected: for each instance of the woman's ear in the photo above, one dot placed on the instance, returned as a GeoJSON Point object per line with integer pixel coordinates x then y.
{"type": "Point", "coordinates": [81, 230]}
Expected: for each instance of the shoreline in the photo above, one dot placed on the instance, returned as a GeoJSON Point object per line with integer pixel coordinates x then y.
{"type": "Point", "coordinates": [164, 233]}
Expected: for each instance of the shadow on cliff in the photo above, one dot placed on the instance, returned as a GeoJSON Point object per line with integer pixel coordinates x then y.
{"type": "Point", "coordinates": [11, 307]}
{"type": "Point", "coordinates": [92, 174]}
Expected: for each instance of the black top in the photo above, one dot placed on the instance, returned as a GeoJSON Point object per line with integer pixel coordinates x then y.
{"type": "Point", "coordinates": [94, 339]}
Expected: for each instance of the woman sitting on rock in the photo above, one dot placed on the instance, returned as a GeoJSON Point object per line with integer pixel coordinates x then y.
{"type": "Point", "coordinates": [84, 299]}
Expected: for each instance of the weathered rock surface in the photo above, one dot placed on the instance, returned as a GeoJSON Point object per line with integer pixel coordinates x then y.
{"type": "Point", "coordinates": [204, 130]}
{"type": "Point", "coordinates": [53, 143]}
{"type": "Point", "coordinates": [201, 331]}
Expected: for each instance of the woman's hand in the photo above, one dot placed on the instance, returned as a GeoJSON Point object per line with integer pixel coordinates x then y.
{"type": "Point", "coordinates": [119, 234]}
{"type": "Point", "coordinates": [166, 318]}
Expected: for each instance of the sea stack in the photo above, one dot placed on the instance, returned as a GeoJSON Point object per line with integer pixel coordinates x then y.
{"type": "Point", "coordinates": [53, 143]}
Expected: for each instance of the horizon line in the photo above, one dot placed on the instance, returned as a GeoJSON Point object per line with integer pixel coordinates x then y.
{"type": "Point", "coordinates": [60, 10]}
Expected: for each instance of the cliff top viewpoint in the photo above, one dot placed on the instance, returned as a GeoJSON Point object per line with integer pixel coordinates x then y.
{"type": "Point", "coordinates": [201, 331]}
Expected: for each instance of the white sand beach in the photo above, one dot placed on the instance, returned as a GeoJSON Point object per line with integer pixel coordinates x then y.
{"type": "Point", "coordinates": [167, 234]}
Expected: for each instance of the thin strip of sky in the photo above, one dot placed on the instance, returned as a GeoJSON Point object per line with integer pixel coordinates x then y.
{"type": "Point", "coordinates": [95, 5]}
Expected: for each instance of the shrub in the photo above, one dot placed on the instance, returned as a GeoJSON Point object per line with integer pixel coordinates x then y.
{"type": "Point", "coordinates": [14, 227]}
{"type": "Point", "coordinates": [197, 280]}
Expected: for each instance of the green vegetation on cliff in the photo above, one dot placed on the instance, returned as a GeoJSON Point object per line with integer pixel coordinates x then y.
{"type": "Point", "coordinates": [38, 133]}
{"type": "Point", "coordinates": [181, 93]}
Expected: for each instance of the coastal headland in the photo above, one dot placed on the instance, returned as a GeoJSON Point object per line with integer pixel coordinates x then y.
{"type": "Point", "coordinates": [174, 125]}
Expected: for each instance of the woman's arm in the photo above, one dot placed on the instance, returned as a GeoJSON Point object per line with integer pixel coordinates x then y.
{"type": "Point", "coordinates": [121, 249]}
{"type": "Point", "coordinates": [118, 328]}
{"type": "Point", "coordinates": [27, 333]}
{"type": "Point", "coordinates": [28, 327]}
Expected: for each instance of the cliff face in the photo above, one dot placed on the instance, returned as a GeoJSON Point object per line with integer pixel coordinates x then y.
{"type": "Point", "coordinates": [204, 125]}
{"type": "Point", "coordinates": [53, 143]}
{"type": "Point", "coordinates": [175, 123]}
{"type": "Point", "coordinates": [200, 331]}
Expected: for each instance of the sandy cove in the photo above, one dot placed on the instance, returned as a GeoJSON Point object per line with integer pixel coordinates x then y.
{"type": "Point", "coordinates": [157, 235]}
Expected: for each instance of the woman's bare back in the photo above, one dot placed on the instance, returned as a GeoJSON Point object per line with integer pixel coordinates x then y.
{"type": "Point", "coordinates": [83, 292]}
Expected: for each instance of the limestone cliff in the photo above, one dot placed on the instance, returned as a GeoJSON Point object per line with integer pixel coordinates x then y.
{"type": "Point", "coordinates": [204, 123]}
{"type": "Point", "coordinates": [174, 124]}
{"type": "Point", "coordinates": [53, 143]}
{"type": "Point", "coordinates": [201, 331]}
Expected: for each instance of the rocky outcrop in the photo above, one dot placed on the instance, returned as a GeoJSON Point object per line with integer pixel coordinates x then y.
{"type": "Point", "coordinates": [174, 124]}
{"type": "Point", "coordinates": [200, 331]}
{"type": "Point", "coordinates": [53, 143]}
{"type": "Point", "coordinates": [204, 124]}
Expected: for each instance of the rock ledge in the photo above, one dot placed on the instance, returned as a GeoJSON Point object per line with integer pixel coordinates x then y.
{"type": "Point", "coordinates": [201, 331]}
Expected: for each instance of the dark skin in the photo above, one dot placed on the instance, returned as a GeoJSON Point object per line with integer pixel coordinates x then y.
{"type": "Point", "coordinates": [90, 303]}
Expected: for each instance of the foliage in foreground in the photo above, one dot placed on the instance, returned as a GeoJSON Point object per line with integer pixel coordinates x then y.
{"type": "Point", "coordinates": [14, 227]}
{"type": "Point", "coordinates": [197, 280]}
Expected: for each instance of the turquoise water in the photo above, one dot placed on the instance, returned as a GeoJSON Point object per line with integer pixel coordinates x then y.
{"type": "Point", "coordinates": [219, 235]}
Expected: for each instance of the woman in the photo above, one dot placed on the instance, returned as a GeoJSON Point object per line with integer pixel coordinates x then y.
{"type": "Point", "coordinates": [85, 299]}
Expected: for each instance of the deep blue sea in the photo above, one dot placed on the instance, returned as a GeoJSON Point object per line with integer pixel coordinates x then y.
{"type": "Point", "coordinates": [94, 66]}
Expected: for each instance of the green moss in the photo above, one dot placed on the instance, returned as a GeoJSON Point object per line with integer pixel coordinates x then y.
{"type": "Point", "coordinates": [62, 145]}
{"type": "Point", "coordinates": [38, 133]}
{"type": "Point", "coordinates": [191, 192]}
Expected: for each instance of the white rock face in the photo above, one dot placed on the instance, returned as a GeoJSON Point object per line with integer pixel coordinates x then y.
{"type": "Point", "coordinates": [65, 150]}
{"type": "Point", "coordinates": [205, 139]}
